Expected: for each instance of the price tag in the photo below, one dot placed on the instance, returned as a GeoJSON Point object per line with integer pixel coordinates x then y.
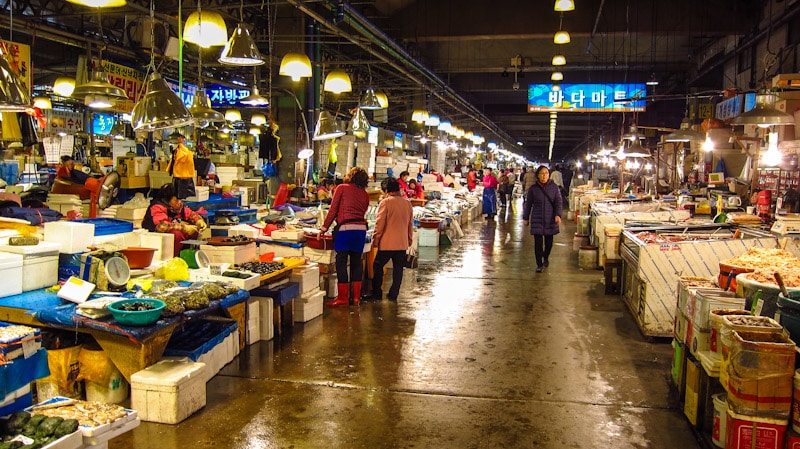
{"type": "Point", "coordinates": [29, 347]}
{"type": "Point", "coordinates": [757, 306]}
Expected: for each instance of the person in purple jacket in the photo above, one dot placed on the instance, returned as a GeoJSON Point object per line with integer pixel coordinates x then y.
{"type": "Point", "coordinates": [542, 210]}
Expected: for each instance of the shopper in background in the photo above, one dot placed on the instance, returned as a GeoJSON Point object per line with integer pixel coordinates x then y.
{"type": "Point", "coordinates": [403, 180]}
{"type": "Point", "coordinates": [528, 180]}
{"type": "Point", "coordinates": [392, 236]}
{"type": "Point", "coordinates": [414, 190]}
{"type": "Point", "coordinates": [542, 210]}
{"type": "Point", "coordinates": [181, 168]}
{"type": "Point", "coordinates": [348, 207]}
{"type": "Point", "coordinates": [503, 190]}
{"type": "Point", "coordinates": [489, 194]}
{"type": "Point", "coordinates": [167, 214]}
{"type": "Point", "coordinates": [472, 179]}
{"type": "Point", "coordinates": [68, 172]}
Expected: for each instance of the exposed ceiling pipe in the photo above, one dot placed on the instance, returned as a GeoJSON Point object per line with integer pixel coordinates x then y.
{"type": "Point", "coordinates": [441, 90]}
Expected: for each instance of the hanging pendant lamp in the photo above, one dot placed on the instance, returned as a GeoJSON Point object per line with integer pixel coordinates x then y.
{"type": "Point", "coordinates": [337, 82]}
{"type": "Point", "coordinates": [383, 100]}
{"type": "Point", "coordinates": [764, 113]}
{"type": "Point", "coordinates": [556, 76]}
{"type": "Point", "coordinates": [359, 125]}
{"type": "Point", "coordinates": [258, 119]}
{"type": "Point", "coordinates": [42, 103]}
{"type": "Point", "coordinates": [561, 37]}
{"type": "Point", "coordinates": [201, 109]}
{"type": "Point", "coordinates": [684, 134]}
{"type": "Point", "coordinates": [419, 116]}
{"type": "Point", "coordinates": [255, 99]}
{"type": "Point", "coordinates": [241, 50]}
{"type": "Point", "coordinates": [559, 60]}
{"type": "Point", "coordinates": [99, 93]}
{"type": "Point", "coordinates": [64, 86]}
{"type": "Point", "coordinates": [326, 128]}
{"type": "Point", "coordinates": [564, 5]}
{"type": "Point", "coordinates": [296, 66]}
{"type": "Point", "coordinates": [99, 3]}
{"type": "Point", "coordinates": [205, 28]}
{"type": "Point", "coordinates": [160, 108]}
{"type": "Point", "coordinates": [369, 101]}
{"type": "Point", "coordinates": [14, 97]}
{"type": "Point", "coordinates": [233, 115]}
{"type": "Point", "coordinates": [637, 150]}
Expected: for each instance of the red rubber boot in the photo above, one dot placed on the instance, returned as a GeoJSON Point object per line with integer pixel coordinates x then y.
{"type": "Point", "coordinates": [343, 299]}
{"type": "Point", "coordinates": [356, 292]}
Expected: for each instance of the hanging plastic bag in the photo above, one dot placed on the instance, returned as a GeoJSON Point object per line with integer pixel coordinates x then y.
{"type": "Point", "coordinates": [268, 169]}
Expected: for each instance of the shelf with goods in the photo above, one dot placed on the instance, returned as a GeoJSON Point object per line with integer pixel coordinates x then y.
{"type": "Point", "coordinates": [778, 180]}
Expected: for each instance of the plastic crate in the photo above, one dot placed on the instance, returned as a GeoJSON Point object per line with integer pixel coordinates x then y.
{"type": "Point", "coordinates": [106, 226]}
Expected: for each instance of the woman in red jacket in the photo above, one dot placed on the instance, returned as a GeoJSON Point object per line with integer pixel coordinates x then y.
{"type": "Point", "coordinates": [348, 207]}
{"type": "Point", "coordinates": [489, 194]}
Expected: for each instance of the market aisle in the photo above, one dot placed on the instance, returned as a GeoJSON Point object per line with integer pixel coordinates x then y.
{"type": "Point", "coordinates": [479, 352]}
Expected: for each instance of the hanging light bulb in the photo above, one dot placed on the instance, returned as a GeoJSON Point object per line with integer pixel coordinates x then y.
{"type": "Point", "coordinates": [205, 28]}
{"type": "Point", "coordinates": [419, 116]}
{"type": "Point", "coordinates": [296, 66]}
{"type": "Point", "coordinates": [255, 99]}
{"type": "Point", "coordinates": [201, 109]}
{"type": "Point", "coordinates": [559, 60]}
{"type": "Point", "coordinates": [241, 50]}
{"type": "Point", "coordinates": [98, 92]}
{"type": "Point", "coordinates": [773, 156]}
{"type": "Point", "coordinates": [556, 76]}
{"type": "Point", "coordinates": [42, 103]}
{"type": "Point", "coordinates": [99, 3]}
{"type": "Point", "coordinates": [561, 37]}
{"type": "Point", "coordinates": [337, 81]}
{"type": "Point", "coordinates": [708, 144]}
{"type": "Point", "coordinates": [64, 86]}
{"type": "Point", "coordinates": [255, 131]}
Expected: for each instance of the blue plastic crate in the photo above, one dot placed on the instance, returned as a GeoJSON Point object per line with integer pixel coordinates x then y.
{"type": "Point", "coordinates": [106, 226]}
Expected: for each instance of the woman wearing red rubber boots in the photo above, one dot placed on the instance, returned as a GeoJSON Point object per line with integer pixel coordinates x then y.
{"type": "Point", "coordinates": [348, 207]}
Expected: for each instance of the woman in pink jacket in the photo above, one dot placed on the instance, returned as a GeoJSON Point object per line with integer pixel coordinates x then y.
{"type": "Point", "coordinates": [392, 236]}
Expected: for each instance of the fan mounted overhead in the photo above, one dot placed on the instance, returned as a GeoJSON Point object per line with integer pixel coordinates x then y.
{"type": "Point", "coordinates": [103, 191]}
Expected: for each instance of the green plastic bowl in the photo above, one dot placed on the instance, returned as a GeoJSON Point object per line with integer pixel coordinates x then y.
{"type": "Point", "coordinates": [136, 318]}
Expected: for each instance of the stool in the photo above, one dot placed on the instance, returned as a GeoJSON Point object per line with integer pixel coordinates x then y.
{"type": "Point", "coordinates": [612, 270]}
{"type": "Point", "coordinates": [283, 297]}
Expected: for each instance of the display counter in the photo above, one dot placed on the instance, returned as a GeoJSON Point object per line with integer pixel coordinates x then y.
{"type": "Point", "coordinates": [655, 257]}
{"type": "Point", "coordinates": [608, 242]}
{"type": "Point", "coordinates": [130, 348]}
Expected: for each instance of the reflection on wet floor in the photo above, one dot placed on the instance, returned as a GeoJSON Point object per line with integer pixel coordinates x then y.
{"type": "Point", "coordinates": [480, 351]}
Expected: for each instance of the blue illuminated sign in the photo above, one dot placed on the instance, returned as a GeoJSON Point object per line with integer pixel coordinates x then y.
{"type": "Point", "coordinates": [225, 96]}
{"type": "Point", "coordinates": [102, 123]}
{"type": "Point", "coordinates": [587, 98]}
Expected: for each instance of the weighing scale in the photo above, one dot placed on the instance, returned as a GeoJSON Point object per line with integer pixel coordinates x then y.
{"type": "Point", "coordinates": [786, 224]}
{"type": "Point", "coordinates": [193, 255]}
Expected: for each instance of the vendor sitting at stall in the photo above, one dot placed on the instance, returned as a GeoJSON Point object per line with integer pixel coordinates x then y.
{"type": "Point", "coordinates": [325, 190]}
{"type": "Point", "coordinates": [68, 172]}
{"type": "Point", "coordinates": [167, 214]}
{"type": "Point", "coordinates": [414, 190]}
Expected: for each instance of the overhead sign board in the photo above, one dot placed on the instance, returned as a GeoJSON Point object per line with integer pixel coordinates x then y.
{"type": "Point", "coordinates": [587, 98]}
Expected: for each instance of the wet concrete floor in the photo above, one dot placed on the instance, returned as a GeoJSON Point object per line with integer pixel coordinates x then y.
{"type": "Point", "coordinates": [480, 351]}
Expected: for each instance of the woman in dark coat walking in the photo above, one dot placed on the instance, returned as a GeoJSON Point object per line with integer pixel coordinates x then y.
{"type": "Point", "coordinates": [542, 210]}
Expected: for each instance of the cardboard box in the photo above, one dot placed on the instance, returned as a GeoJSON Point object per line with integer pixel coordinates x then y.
{"type": "Point", "coordinates": [157, 178]}
{"type": "Point", "coordinates": [169, 391]}
{"type": "Point", "coordinates": [753, 396]}
{"type": "Point", "coordinates": [133, 182]}
{"type": "Point", "coordinates": [746, 432]}
{"type": "Point", "coordinates": [691, 405]}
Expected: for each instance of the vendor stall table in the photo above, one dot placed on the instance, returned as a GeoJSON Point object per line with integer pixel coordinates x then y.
{"type": "Point", "coordinates": [130, 348]}
{"type": "Point", "coordinates": [652, 265]}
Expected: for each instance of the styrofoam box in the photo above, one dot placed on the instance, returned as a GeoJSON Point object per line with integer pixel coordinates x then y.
{"type": "Point", "coordinates": [307, 276]}
{"type": "Point", "coordinates": [169, 391]}
{"type": "Point", "coordinates": [324, 256]}
{"type": "Point", "coordinates": [244, 229]}
{"type": "Point", "coordinates": [265, 316]}
{"type": "Point", "coordinates": [162, 242]}
{"type": "Point", "coordinates": [308, 306]}
{"type": "Point", "coordinates": [286, 235]}
{"type": "Point", "coordinates": [200, 194]}
{"type": "Point", "coordinates": [236, 254]}
{"type": "Point", "coordinates": [328, 285]}
{"type": "Point", "coordinates": [204, 274]}
{"type": "Point", "coordinates": [73, 237]}
{"type": "Point", "coordinates": [253, 331]}
{"type": "Point", "coordinates": [39, 264]}
{"type": "Point", "coordinates": [428, 237]}
{"type": "Point", "coordinates": [11, 272]}
{"type": "Point", "coordinates": [131, 213]}
{"type": "Point", "coordinates": [123, 239]}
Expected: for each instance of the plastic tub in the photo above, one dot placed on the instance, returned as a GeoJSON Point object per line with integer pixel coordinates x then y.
{"type": "Point", "coordinates": [138, 257]}
{"type": "Point", "coordinates": [747, 289]}
{"type": "Point", "coordinates": [718, 429]}
{"type": "Point", "coordinates": [587, 257]}
{"type": "Point", "coordinates": [579, 240]}
{"type": "Point", "coordinates": [728, 273]}
{"type": "Point", "coordinates": [136, 318]}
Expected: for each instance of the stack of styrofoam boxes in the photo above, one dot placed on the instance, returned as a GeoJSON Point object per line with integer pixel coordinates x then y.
{"type": "Point", "coordinates": [327, 269]}
{"type": "Point", "coordinates": [132, 214]}
{"type": "Point", "coordinates": [265, 316]}
{"type": "Point", "coordinates": [253, 317]}
{"type": "Point", "coordinates": [346, 153]}
{"type": "Point", "coordinates": [169, 391]}
{"type": "Point", "coordinates": [365, 158]}
{"type": "Point", "coordinates": [39, 264]}
{"type": "Point", "coordinates": [162, 242]}
{"type": "Point", "coordinates": [200, 194]}
{"type": "Point", "coordinates": [382, 166]}
{"type": "Point", "coordinates": [226, 175]}
{"type": "Point", "coordinates": [236, 255]}
{"type": "Point", "coordinates": [309, 305]}
{"type": "Point", "coordinates": [64, 202]}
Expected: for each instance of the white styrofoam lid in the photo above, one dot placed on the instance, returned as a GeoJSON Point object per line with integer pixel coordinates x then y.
{"type": "Point", "coordinates": [169, 372]}
{"type": "Point", "coordinates": [8, 259]}
{"type": "Point", "coordinates": [42, 248]}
